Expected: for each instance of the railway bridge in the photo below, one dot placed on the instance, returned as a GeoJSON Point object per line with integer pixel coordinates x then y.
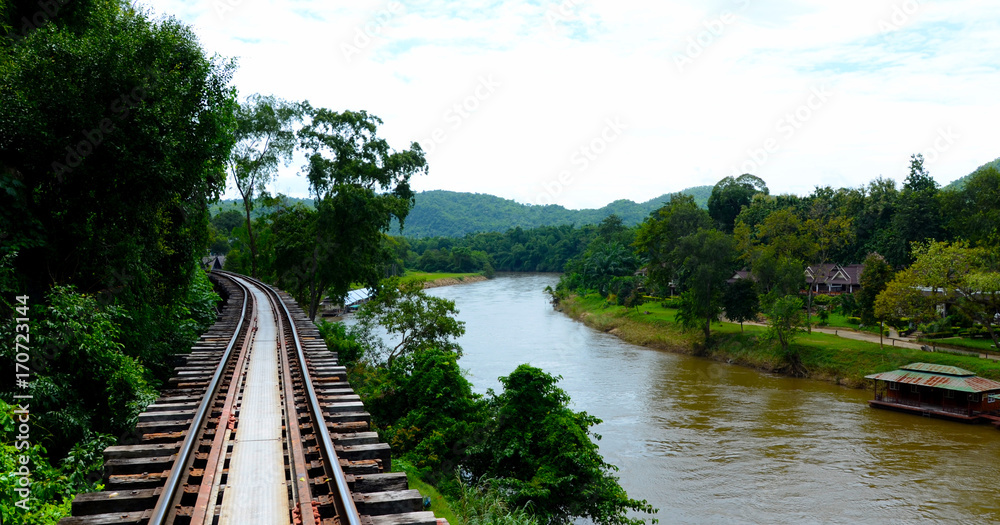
{"type": "Point", "coordinates": [258, 425]}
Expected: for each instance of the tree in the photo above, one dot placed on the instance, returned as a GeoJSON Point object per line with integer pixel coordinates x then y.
{"type": "Point", "coordinates": [414, 319]}
{"type": "Point", "coordinates": [659, 234]}
{"type": "Point", "coordinates": [146, 116]}
{"type": "Point", "coordinates": [730, 195]}
{"type": "Point", "coordinates": [361, 185]}
{"type": "Point", "coordinates": [918, 213]}
{"type": "Point", "coordinates": [826, 233]}
{"type": "Point", "coordinates": [264, 137]}
{"type": "Point", "coordinates": [954, 274]}
{"type": "Point", "coordinates": [704, 262]}
{"type": "Point", "coordinates": [740, 301]}
{"type": "Point", "coordinates": [540, 451]}
{"type": "Point", "coordinates": [426, 410]}
{"type": "Point", "coordinates": [784, 323]}
{"type": "Point", "coordinates": [776, 250]}
{"type": "Point", "coordinates": [973, 212]}
{"type": "Point", "coordinates": [874, 278]}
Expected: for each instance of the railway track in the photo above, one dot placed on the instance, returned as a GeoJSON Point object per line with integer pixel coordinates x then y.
{"type": "Point", "coordinates": [258, 425]}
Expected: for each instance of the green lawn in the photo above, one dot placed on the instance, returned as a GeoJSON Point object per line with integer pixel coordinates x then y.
{"type": "Point", "coordinates": [963, 342]}
{"type": "Point", "coordinates": [838, 320]}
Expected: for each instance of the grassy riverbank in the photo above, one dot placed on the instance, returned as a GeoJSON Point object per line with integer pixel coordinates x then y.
{"type": "Point", "coordinates": [435, 279]}
{"type": "Point", "coordinates": [826, 357]}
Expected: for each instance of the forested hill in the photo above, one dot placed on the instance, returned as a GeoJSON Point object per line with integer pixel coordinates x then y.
{"type": "Point", "coordinates": [454, 214]}
{"type": "Point", "coordinates": [958, 184]}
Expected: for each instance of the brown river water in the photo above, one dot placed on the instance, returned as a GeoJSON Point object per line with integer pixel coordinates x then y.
{"type": "Point", "coordinates": [708, 442]}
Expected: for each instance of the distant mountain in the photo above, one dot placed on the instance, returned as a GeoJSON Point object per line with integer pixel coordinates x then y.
{"type": "Point", "coordinates": [958, 184]}
{"type": "Point", "coordinates": [442, 213]}
{"type": "Point", "coordinates": [455, 214]}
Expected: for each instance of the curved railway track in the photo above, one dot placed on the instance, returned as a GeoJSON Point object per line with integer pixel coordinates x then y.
{"type": "Point", "coordinates": [258, 425]}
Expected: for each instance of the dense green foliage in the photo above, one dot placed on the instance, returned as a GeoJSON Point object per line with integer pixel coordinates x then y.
{"type": "Point", "coordinates": [965, 279]}
{"type": "Point", "coordinates": [540, 451]}
{"type": "Point", "coordinates": [775, 239]}
{"type": "Point", "coordinates": [543, 249]}
{"type": "Point", "coordinates": [524, 450]}
{"type": "Point", "coordinates": [452, 214]}
{"type": "Point", "coordinates": [113, 133]}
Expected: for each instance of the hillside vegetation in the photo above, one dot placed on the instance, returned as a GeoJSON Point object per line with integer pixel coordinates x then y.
{"type": "Point", "coordinates": [453, 214]}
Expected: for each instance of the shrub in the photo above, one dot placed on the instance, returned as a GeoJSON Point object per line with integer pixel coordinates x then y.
{"type": "Point", "coordinates": [853, 320]}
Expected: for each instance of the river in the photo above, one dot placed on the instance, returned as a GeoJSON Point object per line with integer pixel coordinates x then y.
{"type": "Point", "coordinates": [707, 442]}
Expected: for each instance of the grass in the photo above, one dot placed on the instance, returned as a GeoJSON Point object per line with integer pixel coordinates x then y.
{"type": "Point", "coordinates": [963, 342]}
{"type": "Point", "coordinates": [439, 505]}
{"type": "Point", "coordinates": [838, 320]}
{"type": "Point", "coordinates": [433, 276]}
{"type": "Point", "coordinates": [825, 356]}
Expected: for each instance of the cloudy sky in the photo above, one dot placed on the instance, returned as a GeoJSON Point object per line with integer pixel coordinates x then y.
{"type": "Point", "coordinates": [581, 102]}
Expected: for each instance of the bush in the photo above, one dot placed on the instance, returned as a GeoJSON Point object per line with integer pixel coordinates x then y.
{"type": "Point", "coordinates": [853, 320]}
{"type": "Point", "coordinates": [822, 300]}
{"type": "Point", "coordinates": [52, 487]}
{"type": "Point", "coordinates": [339, 339]}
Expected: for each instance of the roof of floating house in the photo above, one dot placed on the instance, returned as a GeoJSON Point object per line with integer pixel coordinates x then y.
{"type": "Point", "coordinates": [357, 296]}
{"type": "Point", "coordinates": [938, 376]}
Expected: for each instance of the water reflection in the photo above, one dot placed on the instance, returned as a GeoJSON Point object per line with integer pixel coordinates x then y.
{"type": "Point", "coordinates": [707, 442]}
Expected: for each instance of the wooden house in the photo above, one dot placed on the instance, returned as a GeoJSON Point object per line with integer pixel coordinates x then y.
{"type": "Point", "coordinates": [938, 390]}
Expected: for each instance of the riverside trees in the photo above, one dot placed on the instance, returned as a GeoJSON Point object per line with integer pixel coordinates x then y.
{"type": "Point", "coordinates": [114, 128]}
{"type": "Point", "coordinates": [524, 443]}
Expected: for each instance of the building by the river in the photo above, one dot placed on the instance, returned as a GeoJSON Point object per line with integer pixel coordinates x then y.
{"type": "Point", "coordinates": [938, 390]}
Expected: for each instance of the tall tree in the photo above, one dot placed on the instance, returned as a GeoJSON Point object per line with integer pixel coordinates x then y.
{"type": "Point", "coordinates": [264, 138]}
{"type": "Point", "coordinates": [659, 234]}
{"type": "Point", "coordinates": [874, 278]}
{"type": "Point", "coordinates": [775, 250]}
{"type": "Point", "coordinates": [730, 195]}
{"type": "Point", "coordinates": [361, 184]}
{"type": "Point", "coordinates": [784, 323]}
{"type": "Point", "coordinates": [740, 301]}
{"type": "Point", "coordinates": [704, 262]}
{"type": "Point", "coordinates": [918, 213]}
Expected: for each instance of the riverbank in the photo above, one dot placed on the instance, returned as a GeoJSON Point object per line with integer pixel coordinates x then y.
{"type": "Point", "coordinates": [434, 280]}
{"type": "Point", "coordinates": [826, 357]}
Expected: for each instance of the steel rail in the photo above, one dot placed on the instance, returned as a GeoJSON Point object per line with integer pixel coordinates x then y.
{"type": "Point", "coordinates": [303, 511]}
{"type": "Point", "coordinates": [325, 441]}
{"type": "Point", "coordinates": [162, 508]}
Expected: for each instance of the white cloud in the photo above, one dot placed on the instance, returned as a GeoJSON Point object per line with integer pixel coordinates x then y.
{"type": "Point", "coordinates": [901, 71]}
